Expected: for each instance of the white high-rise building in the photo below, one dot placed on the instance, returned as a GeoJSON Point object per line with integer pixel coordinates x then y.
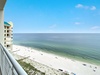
{"type": "Point", "coordinates": [8, 35]}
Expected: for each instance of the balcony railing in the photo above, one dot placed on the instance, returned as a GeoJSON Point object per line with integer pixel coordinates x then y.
{"type": "Point", "coordinates": [8, 65]}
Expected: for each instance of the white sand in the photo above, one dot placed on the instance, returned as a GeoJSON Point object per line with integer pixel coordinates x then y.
{"type": "Point", "coordinates": [57, 62]}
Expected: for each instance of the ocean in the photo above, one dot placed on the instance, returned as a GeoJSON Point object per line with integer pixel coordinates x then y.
{"type": "Point", "coordinates": [79, 46]}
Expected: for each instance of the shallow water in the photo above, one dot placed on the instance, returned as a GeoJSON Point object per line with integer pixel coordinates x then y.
{"type": "Point", "coordinates": [81, 46]}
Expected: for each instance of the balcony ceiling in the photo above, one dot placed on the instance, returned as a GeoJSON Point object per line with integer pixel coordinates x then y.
{"type": "Point", "coordinates": [2, 3]}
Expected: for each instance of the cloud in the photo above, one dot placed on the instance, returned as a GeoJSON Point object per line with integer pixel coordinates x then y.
{"type": "Point", "coordinates": [53, 26]}
{"type": "Point", "coordinates": [95, 27]}
{"type": "Point", "coordinates": [93, 8]}
{"type": "Point", "coordinates": [77, 23]}
{"type": "Point", "coordinates": [79, 6]}
{"type": "Point", "coordinates": [85, 7]}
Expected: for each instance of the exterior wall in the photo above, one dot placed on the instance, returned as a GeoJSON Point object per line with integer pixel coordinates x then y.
{"type": "Point", "coordinates": [8, 36]}
{"type": "Point", "coordinates": [2, 27]}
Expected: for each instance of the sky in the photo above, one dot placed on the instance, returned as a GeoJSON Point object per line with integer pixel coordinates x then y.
{"type": "Point", "coordinates": [53, 16]}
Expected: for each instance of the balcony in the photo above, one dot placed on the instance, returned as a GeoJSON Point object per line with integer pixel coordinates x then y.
{"type": "Point", "coordinates": [8, 65]}
{"type": "Point", "coordinates": [8, 43]}
{"type": "Point", "coordinates": [8, 39]}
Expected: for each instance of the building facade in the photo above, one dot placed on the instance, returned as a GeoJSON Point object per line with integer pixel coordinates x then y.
{"type": "Point", "coordinates": [8, 35]}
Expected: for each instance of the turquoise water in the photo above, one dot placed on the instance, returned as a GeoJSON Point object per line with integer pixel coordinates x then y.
{"type": "Point", "coordinates": [81, 46]}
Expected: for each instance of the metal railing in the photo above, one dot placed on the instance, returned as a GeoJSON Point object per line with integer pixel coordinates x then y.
{"type": "Point", "coordinates": [8, 65]}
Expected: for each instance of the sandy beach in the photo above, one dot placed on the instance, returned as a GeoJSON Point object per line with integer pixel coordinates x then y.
{"type": "Point", "coordinates": [61, 64]}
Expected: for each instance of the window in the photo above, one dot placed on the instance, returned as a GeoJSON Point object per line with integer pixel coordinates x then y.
{"type": "Point", "coordinates": [4, 42]}
{"type": "Point", "coordinates": [4, 34]}
{"type": "Point", "coordinates": [7, 31]}
{"type": "Point", "coordinates": [5, 27]}
{"type": "Point", "coordinates": [8, 35]}
{"type": "Point", "coordinates": [8, 45]}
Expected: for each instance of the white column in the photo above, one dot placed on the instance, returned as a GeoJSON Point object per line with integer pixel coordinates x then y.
{"type": "Point", "coordinates": [2, 27]}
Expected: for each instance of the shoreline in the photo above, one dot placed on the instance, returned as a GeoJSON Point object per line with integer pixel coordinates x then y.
{"type": "Point", "coordinates": [77, 58]}
{"type": "Point", "coordinates": [57, 62]}
{"type": "Point", "coordinates": [81, 59]}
